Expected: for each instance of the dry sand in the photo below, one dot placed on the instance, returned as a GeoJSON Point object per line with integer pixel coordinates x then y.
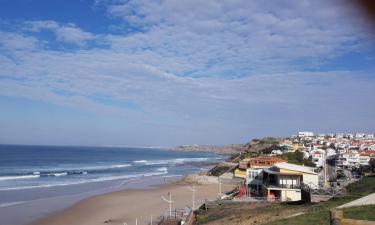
{"type": "Point", "coordinates": [127, 205]}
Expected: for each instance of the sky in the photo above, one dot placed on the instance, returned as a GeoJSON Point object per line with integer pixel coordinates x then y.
{"type": "Point", "coordinates": [171, 72]}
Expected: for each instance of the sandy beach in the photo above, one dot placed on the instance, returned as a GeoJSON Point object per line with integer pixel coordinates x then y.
{"type": "Point", "coordinates": [125, 206]}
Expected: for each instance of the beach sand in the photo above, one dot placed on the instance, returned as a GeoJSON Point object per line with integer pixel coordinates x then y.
{"type": "Point", "coordinates": [125, 206]}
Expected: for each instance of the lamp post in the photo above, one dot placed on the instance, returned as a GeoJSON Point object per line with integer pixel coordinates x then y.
{"type": "Point", "coordinates": [219, 186]}
{"type": "Point", "coordinates": [169, 201]}
{"type": "Point", "coordinates": [193, 190]}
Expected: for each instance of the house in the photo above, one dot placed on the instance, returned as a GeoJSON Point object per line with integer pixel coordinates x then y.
{"type": "Point", "coordinates": [330, 152]}
{"type": "Point", "coordinates": [318, 157]}
{"type": "Point", "coordinates": [284, 180]}
{"type": "Point", "coordinates": [364, 159]}
{"type": "Point", "coordinates": [260, 162]}
{"type": "Point", "coordinates": [365, 156]}
{"type": "Point", "coordinates": [263, 162]}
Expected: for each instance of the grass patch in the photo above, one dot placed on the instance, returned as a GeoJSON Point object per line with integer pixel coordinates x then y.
{"type": "Point", "coordinates": [360, 212]}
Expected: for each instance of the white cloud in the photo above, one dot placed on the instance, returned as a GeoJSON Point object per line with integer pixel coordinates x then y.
{"type": "Point", "coordinates": [14, 41]}
{"type": "Point", "coordinates": [207, 66]}
{"type": "Point", "coordinates": [211, 38]}
{"type": "Point", "coordinates": [69, 33]}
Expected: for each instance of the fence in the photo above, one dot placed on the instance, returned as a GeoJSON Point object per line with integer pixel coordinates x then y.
{"type": "Point", "coordinates": [176, 216]}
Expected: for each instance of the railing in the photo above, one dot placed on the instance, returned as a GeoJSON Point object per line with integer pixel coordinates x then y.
{"type": "Point", "coordinates": [176, 215]}
{"type": "Point", "coordinates": [330, 191]}
{"type": "Point", "coordinates": [287, 186]}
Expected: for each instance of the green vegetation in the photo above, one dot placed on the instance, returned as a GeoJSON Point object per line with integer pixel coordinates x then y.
{"type": "Point", "coordinates": [340, 174]}
{"type": "Point", "coordinates": [269, 149]}
{"type": "Point", "coordinates": [245, 155]}
{"type": "Point", "coordinates": [258, 145]}
{"type": "Point", "coordinates": [360, 212]}
{"type": "Point", "coordinates": [297, 158]}
{"type": "Point", "coordinates": [201, 217]}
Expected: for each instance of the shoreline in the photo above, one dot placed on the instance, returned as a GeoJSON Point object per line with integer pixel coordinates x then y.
{"type": "Point", "coordinates": [26, 212]}
{"type": "Point", "coordinates": [130, 203]}
{"type": "Point", "coordinates": [23, 206]}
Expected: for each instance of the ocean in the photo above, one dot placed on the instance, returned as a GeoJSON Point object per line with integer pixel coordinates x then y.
{"type": "Point", "coordinates": [36, 173]}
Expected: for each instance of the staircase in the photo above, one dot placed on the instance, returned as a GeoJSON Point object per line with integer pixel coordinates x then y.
{"type": "Point", "coordinates": [318, 194]}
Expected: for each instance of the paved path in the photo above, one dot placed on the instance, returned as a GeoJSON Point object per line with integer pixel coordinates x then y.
{"type": "Point", "coordinates": [367, 200]}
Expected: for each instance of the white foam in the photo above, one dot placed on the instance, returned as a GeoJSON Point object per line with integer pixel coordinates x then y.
{"type": "Point", "coordinates": [121, 165]}
{"type": "Point", "coordinates": [19, 177]}
{"type": "Point", "coordinates": [162, 169]}
{"type": "Point", "coordinates": [10, 203]}
{"type": "Point", "coordinates": [60, 174]}
{"type": "Point", "coordinates": [158, 171]}
{"type": "Point", "coordinates": [171, 161]}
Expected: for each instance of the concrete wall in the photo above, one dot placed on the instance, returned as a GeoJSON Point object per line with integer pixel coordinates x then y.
{"type": "Point", "coordinates": [290, 195]}
{"type": "Point", "coordinates": [310, 178]}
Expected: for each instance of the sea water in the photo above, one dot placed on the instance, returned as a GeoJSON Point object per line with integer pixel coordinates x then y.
{"type": "Point", "coordinates": [34, 173]}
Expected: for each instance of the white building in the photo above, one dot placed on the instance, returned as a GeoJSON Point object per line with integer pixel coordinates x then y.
{"type": "Point", "coordinates": [318, 157]}
{"type": "Point", "coordinates": [339, 135]}
{"type": "Point", "coordinates": [348, 159]}
{"type": "Point", "coordinates": [359, 135]}
{"type": "Point", "coordinates": [302, 134]}
{"type": "Point", "coordinates": [276, 152]}
{"type": "Point", "coordinates": [364, 159]}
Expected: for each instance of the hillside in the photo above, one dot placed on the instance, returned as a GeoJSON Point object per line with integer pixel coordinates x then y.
{"type": "Point", "coordinates": [226, 149]}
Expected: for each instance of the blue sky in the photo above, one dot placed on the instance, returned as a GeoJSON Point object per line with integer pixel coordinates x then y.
{"type": "Point", "coordinates": [164, 73]}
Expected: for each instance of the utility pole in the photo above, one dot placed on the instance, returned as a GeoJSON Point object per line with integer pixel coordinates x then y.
{"type": "Point", "coordinates": [169, 201]}
{"type": "Point", "coordinates": [151, 220]}
{"type": "Point", "coordinates": [219, 186]}
{"type": "Point", "coordinates": [193, 190]}
{"type": "Point", "coordinates": [325, 168]}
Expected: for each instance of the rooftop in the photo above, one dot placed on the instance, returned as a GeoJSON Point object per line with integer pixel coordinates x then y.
{"type": "Point", "coordinates": [294, 167]}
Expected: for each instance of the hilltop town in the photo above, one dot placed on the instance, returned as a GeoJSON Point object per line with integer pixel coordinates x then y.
{"type": "Point", "coordinates": [287, 179]}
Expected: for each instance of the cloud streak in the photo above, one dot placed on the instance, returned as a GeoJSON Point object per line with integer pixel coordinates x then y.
{"type": "Point", "coordinates": [221, 75]}
{"type": "Point", "coordinates": [68, 33]}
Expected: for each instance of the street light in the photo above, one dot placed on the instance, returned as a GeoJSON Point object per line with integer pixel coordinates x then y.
{"type": "Point", "coordinates": [169, 201]}
{"type": "Point", "coordinates": [219, 186]}
{"type": "Point", "coordinates": [193, 190]}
